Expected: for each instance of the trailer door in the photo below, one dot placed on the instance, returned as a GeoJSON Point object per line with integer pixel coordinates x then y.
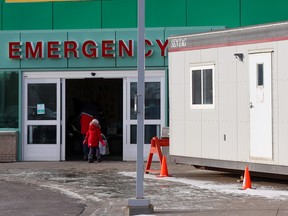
{"type": "Point", "coordinates": [260, 106]}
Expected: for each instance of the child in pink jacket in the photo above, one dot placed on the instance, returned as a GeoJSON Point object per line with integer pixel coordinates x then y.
{"type": "Point", "coordinates": [93, 137]}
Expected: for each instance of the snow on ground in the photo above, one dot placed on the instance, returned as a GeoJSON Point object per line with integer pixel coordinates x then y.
{"type": "Point", "coordinates": [265, 192]}
{"type": "Point", "coordinates": [65, 191]}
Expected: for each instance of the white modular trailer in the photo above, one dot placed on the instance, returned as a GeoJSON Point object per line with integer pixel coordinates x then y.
{"type": "Point", "coordinates": [228, 98]}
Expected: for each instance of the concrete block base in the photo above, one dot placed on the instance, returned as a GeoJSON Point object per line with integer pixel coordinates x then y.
{"type": "Point", "coordinates": [8, 146]}
{"type": "Point", "coordinates": [139, 206]}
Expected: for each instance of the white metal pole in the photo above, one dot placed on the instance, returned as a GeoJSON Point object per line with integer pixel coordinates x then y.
{"type": "Point", "coordinates": [141, 97]}
{"type": "Point", "coordinates": [140, 205]}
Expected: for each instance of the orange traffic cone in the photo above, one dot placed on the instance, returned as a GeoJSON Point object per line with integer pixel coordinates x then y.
{"type": "Point", "coordinates": [246, 180]}
{"type": "Point", "coordinates": [164, 170]}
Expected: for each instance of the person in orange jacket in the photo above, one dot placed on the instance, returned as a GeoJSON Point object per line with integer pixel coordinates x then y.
{"type": "Point", "coordinates": [92, 138]}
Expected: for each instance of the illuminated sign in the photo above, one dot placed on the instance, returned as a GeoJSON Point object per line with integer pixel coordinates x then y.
{"type": "Point", "coordinates": [89, 49]}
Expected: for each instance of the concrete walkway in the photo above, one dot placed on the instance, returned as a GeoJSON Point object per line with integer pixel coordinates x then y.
{"type": "Point", "coordinates": [79, 188]}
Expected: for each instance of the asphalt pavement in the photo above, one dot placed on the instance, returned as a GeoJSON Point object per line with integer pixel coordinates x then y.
{"type": "Point", "coordinates": [78, 188]}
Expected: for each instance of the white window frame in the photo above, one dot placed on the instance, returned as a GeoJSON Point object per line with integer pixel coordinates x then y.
{"type": "Point", "coordinates": [202, 106]}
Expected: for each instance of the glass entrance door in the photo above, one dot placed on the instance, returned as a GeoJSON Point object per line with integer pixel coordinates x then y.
{"type": "Point", "coordinates": [154, 115]}
{"type": "Point", "coordinates": [41, 135]}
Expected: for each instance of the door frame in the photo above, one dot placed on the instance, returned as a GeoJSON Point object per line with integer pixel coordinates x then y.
{"type": "Point", "coordinates": [130, 150]}
{"type": "Point", "coordinates": [120, 74]}
{"type": "Point", "coordinates": [29, 152]}
{"type": "Point", "coordinates": [261, 132]}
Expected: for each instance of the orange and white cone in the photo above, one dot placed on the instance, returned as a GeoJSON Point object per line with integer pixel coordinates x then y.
{"type": "Point", "coordinates": [246, 180]}
{"type": "Point", "coordinates": [164, 170]}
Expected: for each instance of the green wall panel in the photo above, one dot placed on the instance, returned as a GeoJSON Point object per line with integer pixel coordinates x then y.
{"type": "Point", "coordinates": [1, 17]}
{"type": "Point", "coordinates": [211, 12]}
{"type": "Point", "coordinates": [263, 11]}
{"type": "Point", "coordinates": [45, 62]}
{"type": "Point", "coordinates": [27, 16]}
{"type": "Point", "coordinates": [96, 36]}
{"type": "Point", "coordinates": [97, 14]}
{"type": "Point", "coordinates": [80, 37]}
{"type": "Point", "coordinates": [77, 15]}
{"type": "Point", "coordinates": [119, 14]}
{"type": "Point", "coordinates": [163, 13]}
{"type": "Point", "coordinates": [5, 38]}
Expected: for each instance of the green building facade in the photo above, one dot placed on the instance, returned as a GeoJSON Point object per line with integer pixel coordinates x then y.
{"type": "Point", "coordinates": [28, 29]}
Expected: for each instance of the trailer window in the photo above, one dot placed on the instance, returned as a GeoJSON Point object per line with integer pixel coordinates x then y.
{"type": "Point", "coordinates": [202, 95]}
{"type": "Point", "coordinates": [196, 87]}
{"type": "Point", "coordinates": [260, 77]}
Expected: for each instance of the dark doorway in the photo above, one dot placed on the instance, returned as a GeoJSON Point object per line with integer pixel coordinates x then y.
{"type": "Point", "coordinates": [103, 98]}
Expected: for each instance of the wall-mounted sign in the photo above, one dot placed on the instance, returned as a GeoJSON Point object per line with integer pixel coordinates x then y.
{"type": "Point", "coordinates": [89, 49]}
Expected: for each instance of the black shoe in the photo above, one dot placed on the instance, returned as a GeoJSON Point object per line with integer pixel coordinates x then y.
{"type": "Point", "coordinates": [90, 158]}
{"type": "Point", "coordinates": [99, 160]}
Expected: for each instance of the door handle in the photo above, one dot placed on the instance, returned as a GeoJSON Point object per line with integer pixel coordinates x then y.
{"type": "Point", "coordinates": [251, 105]}
{"type": "Point", "coordinates": [136, 104]}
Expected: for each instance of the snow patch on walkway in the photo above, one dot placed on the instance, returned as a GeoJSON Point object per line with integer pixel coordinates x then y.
{"type": "Point", "coordinates": [235, 189]}
{"type": "Point", "coordinates": [65, 191]}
